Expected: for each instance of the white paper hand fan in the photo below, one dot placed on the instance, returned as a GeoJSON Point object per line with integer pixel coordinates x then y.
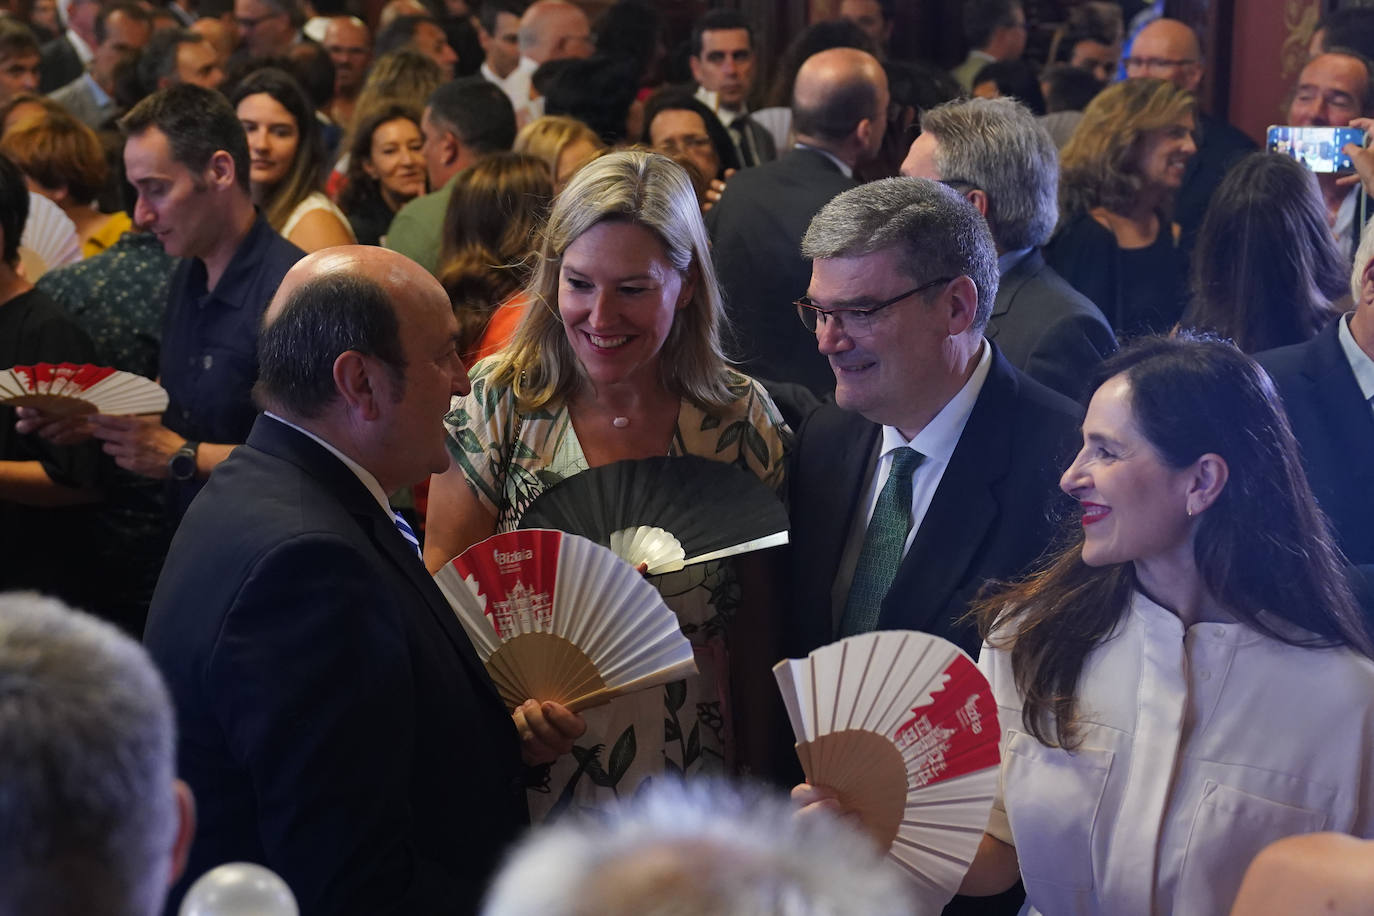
{"type": "Point", "coordinates": [557, 617]}
{"type": "Point", "coordinates": [665, 513]}
{"type": "Point", "coordinates": [49, 236]}
{"type": "Point", "coordinates": [68, 389]}
{"type": "Point", "coordinates": [904, 727]}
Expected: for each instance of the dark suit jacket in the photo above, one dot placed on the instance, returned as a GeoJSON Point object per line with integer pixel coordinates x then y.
{"type": "Point", "coordinates": [1335, 428]}
{"type": "Point", "coordinates": [756, 233]}
{"type": "Point", "coordinates": [334, 721]}
{"type": "Point", "coordinates": [1048, 329]}
{"type": "Point", "coordinates": [58, 64]}
{"type": "Point", "coordinates": [990, 518]}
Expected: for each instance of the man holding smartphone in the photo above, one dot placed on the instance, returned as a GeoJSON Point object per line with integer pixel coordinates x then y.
{"type": "Point", "coordinates": [1332, 89]}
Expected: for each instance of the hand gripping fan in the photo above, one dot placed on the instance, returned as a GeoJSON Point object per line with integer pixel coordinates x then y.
{"type": "Point", "coordinates": [665, 513]}
{"type": "Point", "coordinates": [557, 617]}
{"type": "Point", "coordinates": [903, 727]}
{"type": "Point", "coordinates": [68, 389]}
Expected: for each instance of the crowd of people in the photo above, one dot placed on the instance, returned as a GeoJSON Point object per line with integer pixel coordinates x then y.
{"type": "Point", "coordinates": [1042, 357]}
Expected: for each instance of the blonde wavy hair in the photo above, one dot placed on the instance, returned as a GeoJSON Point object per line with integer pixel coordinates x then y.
{"type": "Point", "coordinates": [1099, 165]}
{"type": "Point", "coordinates": [546, 137]}
{"type": "Point", "coordinates": [649, 190]}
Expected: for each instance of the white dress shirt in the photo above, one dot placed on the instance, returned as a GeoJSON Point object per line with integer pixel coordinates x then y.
{"type": "Point", "coordinates": [936, 442]}
{"type": "Point", "coordinates": [517, 86]}
{"type": "Point", "coordinates": [1199, 746]}
{"type": "Point", "coordinates": [1360, 362]}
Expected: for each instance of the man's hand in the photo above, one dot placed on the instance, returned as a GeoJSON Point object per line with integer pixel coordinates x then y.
{"type": "Point", "coordinates": [547, 730]}
{"type": "Point", "coordinates": [57, 430]}
{"type": "Point", "coordinates": [139, 444]}
{"type": "Point", "coordinates": [1362, 157]}
{"type": "Point", "coordinates": [714, 190]}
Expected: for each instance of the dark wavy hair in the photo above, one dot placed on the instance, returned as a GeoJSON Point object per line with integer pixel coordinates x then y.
{"type": "Point", "coordinates": [307, 166]}
{"type": "Point", "coordinates": [491, 230]}
{"type": "Point", "coordinates": [1263, 549]}
{"type": "Point", "coordinates": [1266, 268]}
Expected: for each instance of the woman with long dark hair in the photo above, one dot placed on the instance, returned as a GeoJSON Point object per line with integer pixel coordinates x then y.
{"type": "Point", "coordinates": [1189, 678]}
{"type": "Point", "coordinates": [1266, 269]}
{"type": "Point", "coordinates": [491, 230]}
{"type": "Point", "coordinates": [287, 160]}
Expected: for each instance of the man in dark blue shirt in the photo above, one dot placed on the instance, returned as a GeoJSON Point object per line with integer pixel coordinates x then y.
{"type": "Point", "coordinates": [187, 156]}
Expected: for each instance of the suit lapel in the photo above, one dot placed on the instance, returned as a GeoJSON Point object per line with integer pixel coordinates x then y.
{"type": "Point", "coordinates": [283, 442]}
{"type": "Point", "coordinates": [1346, 414]}
{"type": "Point", "coordinates": [961, 513]}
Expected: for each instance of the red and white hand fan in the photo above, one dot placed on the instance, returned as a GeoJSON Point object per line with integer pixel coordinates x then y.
{"type": "Point", "coordinates": [554, 616]}
{"type": "Point", "coordinates": [68, 389]}
{"type": "Point", "coordinates": [903, 727]}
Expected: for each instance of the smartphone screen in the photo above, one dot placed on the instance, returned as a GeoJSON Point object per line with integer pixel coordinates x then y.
{"type": "Point", "coordinates": [1318, 148]}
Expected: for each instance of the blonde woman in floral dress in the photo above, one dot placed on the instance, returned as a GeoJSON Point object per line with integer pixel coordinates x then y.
{"type": "Point", "coordinates": [618, 357]}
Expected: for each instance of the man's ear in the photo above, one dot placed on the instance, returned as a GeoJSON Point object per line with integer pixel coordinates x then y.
{"type": "Point", "coordinates": [863, 133]}
{"type": "Point", "coordinates": [220, 171]}
{"type": "Point", "coordinates": [186, 830]}
{"type": "Point", "coordinates": [961, 297]}
{"type": "Point", "coordinates": [452, 147]}
{"type": "Point", "coordinates": [1367, 284]}
{"type": "Point", "coordinates": [979, 198]}
{"type": "Point", "coordinates": [356, 381]}
{"type": "Point", "coordinates": [695, 63]}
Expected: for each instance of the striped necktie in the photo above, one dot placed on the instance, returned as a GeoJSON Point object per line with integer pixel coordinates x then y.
{"type": "Point", "coordinates": [407, 532]}
{"type": "Point", "coordinates": [884, 542]}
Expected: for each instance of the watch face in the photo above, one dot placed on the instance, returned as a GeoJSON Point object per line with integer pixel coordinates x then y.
{"type": "Point", "coordinates": [183, 465]}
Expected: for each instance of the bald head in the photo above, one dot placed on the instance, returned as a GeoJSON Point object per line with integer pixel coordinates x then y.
{"type": "Point", "coordinates": [555, 30]}
{"type": "Point", "coordinates": [1167, 49]}
{"type": "Point", "coordinates": [839, 103]}
{"type": "Point", "coordinates": [359, 346]}
{"type": "Point", "coordinates": [350, 297]}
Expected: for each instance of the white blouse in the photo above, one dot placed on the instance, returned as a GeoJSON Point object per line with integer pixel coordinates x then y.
{"type": "Point", "coordinates": [1199, 747]}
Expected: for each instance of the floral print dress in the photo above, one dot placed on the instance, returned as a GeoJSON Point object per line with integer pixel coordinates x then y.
{"type": "Point", "coordinates": [682, 728]}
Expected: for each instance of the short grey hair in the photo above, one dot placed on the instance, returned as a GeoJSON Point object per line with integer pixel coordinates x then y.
{"type": "Point", "coordinates": [699, 848]}
{"type": "Point", "coordinates": [88, 813]}
{"type": "Point", "coordinates": [997, 145]}
{"type": "Point", "coordinates": [1363, 255]}
{"type": "Point", "coordinates": [940, 233]}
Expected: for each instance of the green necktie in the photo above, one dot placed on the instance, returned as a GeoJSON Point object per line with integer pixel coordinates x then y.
{"type": "Point", "coordinates": [883, 543]}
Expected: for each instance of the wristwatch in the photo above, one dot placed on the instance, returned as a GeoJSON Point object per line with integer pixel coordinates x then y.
{"type": "Point", "coordinates": [182, 464]}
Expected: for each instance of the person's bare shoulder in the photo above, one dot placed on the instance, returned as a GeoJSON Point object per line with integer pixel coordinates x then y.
{"type": "Point", "coordinates": [1312, 873]}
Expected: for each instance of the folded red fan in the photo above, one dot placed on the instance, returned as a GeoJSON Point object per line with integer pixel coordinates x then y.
{"type": "Point", "coordinates": [71, 389]}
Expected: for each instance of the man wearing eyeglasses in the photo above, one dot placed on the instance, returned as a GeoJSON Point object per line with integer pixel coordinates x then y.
{"type": "Point", "coordinates": [1332, 89]}
{"type": "Point", "coordinates": [1169, 50]}
{"type": "Point", "coordinates": [935, 469]}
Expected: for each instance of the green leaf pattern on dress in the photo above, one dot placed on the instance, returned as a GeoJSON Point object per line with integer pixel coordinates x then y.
{"type": "Point", "coordinates": [683, 727]}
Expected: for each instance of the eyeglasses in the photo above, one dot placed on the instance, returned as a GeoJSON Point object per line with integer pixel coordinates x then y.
{"type": "Point", "coordinates": [854, 322]}
{"type": "Point", "coordinates": [1154, 64]}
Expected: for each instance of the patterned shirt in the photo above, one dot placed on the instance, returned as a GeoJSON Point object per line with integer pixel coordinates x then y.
{"type": "Point", "coordinates": [118, 297]}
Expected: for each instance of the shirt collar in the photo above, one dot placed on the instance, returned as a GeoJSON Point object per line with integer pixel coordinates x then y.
{"type": "Point", "coordinates": [79, 45]}
{"type": "Point", "coordinates": [940, 436]}
{"type": "Point", "coordinates": [362, 473]}
{"type": "Point", "coordinates": [1007, 261]}
{"type": "Point", "coordinates": [245, 259]}
{"type": "Point", "coordinates": [711, 100]}
{"type": "Point", "coordinates": [1360, 362]}
{"type": "Point", "coordinates": [102, 98]}
{"type": "Point", "coordinates": [843, 166]}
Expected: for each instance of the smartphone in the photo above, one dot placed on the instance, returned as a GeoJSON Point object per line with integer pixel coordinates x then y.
{"type": "Point", "coordinates": [1318, 148]}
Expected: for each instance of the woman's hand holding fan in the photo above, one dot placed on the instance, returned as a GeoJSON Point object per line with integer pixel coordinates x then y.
{"type": "Point", "coordinates": [900, 730]}
{"type": "Point", "coordinates": [556, 617]}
